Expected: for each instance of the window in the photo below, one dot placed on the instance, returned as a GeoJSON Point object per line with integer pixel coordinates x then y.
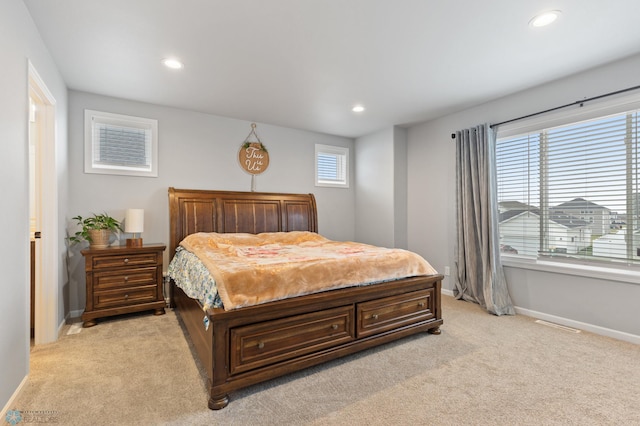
{"type": "Point", "coordinates": [551, 175]}
{"type": "Point", "coordinates": [332, 166]}
{"type": "Point", "coordinates": [120, 144]}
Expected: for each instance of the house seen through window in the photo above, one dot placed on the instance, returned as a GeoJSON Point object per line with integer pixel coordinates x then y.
{"type": "Point", "coordinates": [571, 191]}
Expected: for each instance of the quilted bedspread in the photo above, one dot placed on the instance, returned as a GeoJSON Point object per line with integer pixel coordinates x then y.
{"type": "Point", "coordinates": [251, 269]}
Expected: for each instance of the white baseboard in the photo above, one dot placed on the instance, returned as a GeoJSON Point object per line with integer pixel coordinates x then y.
{"type": "Point", "coordinates": [75, 314]}
{"type": "Point", "coordinates": [596, 329]}
{"type": "Point", "coordinates": [603, 331]}
{"type": "Point", "coordinates": [447, 292]}
{"type": "Point", "coordinates": [67, 320]}
{"type": "Point", "coordinates": [60, 327]}
{"type": "Point", "coordinates": [3, 413]}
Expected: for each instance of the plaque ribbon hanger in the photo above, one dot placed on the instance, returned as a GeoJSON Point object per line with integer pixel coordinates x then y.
{"type": "Point", "coordinates": [252, 132]}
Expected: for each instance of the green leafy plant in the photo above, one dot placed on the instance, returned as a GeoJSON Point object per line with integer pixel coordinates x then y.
{"type": "Point", "coordinates": [260, 147]}
{"type": "Point", "coordinates": [94, 222]}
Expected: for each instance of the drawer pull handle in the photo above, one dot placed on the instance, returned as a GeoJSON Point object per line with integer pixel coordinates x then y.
{"type": "Point", "coordinates": [334, 326]}
{"type": "Point", "coordinates": [421, 304]}
{"type": "Point", "coordinates": [126, 279]}
{"type": "Point", "coordinates": [374, 316]}
{"type": "Point", "coordinates": [126, 296]}
{"type": "Point", "coordinates": [260, 345]}
{"type": "Point", "coordinates": [126, 260]}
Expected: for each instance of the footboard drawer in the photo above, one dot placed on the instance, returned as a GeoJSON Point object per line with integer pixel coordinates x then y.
{"type": "Point", "coordinates": [386, 314]}
{"type": "Point", "coordinates": [267, 343]}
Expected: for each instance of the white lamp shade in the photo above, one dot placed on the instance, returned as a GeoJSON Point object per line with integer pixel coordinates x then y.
{"type": "Point", "coordinates": [134, 220]}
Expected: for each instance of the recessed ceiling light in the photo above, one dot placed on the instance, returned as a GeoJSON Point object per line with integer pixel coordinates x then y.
{"type": "Point", "coordinates": [173, 64]}
{"type": "Point", "coordinates": [357, 108]}
{"type": "Point", "coordinates": [544, 18]}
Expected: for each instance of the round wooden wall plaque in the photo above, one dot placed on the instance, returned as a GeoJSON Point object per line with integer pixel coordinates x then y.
{"type": "Point", "coordinates": [253, 157]}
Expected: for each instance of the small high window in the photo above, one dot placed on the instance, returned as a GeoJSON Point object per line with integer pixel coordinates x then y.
{"type": "Point", "coordinates": [332, 166]}
{"type": "Point", "coordinates": [120, 144]}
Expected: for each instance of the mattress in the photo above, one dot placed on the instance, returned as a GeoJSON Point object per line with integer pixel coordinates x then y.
{"type": "Point", "coordinates": [238, 270]}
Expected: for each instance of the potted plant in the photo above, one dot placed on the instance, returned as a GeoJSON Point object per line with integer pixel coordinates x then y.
{"type": "Point", "coordinates": [95, 229]}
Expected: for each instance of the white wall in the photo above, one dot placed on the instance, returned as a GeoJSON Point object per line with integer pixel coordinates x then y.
{"type": "Point", "coordinates": [381, 182]}
{"type": "Point", "coordinates": [197, 151]}
{"type": "Point", "coordinates": [400, 187]}
{"type": "Point", "coordinates": [598, 303]}
{"type": "Point", "coordinates": [20, 42]}
{"type": "Point", "coordinates": [374, 188]}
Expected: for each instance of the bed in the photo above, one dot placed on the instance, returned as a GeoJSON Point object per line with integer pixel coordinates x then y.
{"type": "Point", "coordinates": [299, 331]}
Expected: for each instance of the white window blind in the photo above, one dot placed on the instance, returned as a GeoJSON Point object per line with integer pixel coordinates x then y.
{"type": "Point", "coordinates": [571, 191]}
{"type": "Point", "coordinates": [120, 144]}
{"type": "Point", "coordinates": [332, 166]}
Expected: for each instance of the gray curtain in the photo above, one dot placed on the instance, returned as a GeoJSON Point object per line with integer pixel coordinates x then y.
{"type": "Point", "coordinates": [480, 277]}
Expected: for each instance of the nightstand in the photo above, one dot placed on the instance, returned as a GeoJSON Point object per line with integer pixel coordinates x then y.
{"type": "Point", "coordinates": [122, 280]}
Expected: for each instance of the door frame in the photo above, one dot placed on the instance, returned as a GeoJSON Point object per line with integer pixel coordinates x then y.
{"type": "Point", "coordinates": [46, 291]}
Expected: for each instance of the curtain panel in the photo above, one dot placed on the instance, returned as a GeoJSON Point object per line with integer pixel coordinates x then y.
{"type": "Point", "coordinates": [480, 277]}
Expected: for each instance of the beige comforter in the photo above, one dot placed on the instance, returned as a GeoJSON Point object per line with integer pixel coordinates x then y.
{"type": "Point", "coordinates": [252, 269]}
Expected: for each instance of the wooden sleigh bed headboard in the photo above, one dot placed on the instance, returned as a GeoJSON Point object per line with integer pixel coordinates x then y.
{"type": "Point", "coordinates": [192, 211]}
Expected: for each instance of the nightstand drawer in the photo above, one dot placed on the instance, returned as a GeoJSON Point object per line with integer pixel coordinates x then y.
{"type": "Point", "coordinates": [130, 296]}
{"type": "Point", "coordinates": [104, 262]}
{"type": "Point", "coordinates": [105, 280]}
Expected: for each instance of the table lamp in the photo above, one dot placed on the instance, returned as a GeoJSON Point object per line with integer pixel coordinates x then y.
{"type": "Point", "coordinates": [134, 223]}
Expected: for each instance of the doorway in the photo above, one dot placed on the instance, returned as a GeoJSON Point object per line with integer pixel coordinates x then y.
{"type": "Point", "coordinates": [35, 274]}
{"type": "Point", "coordinates": [43, 209]}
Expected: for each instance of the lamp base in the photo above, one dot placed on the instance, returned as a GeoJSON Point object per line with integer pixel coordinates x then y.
{"type": "Point", "coordinates": [134, 242]}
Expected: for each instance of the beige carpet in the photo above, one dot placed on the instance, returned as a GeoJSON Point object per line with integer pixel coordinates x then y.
{"type": "Point", "coordinates": [482, 370]}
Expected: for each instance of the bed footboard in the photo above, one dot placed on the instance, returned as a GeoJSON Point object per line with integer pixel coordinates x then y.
{"type": "Point", "coordinates": [251, 345]}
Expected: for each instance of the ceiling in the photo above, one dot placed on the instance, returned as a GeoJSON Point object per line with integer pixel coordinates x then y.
{"type": "Point", "coordinates": [305, 63]}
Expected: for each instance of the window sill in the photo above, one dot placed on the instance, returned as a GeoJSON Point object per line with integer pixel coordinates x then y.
{"type": "Point", "coordinates": [621, 274]}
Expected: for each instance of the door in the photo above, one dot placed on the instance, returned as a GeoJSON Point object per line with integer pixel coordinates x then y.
{"type": "Point", "coordinates": [43, 189]}
{"type": "Point", "coordinates": [35, 109]}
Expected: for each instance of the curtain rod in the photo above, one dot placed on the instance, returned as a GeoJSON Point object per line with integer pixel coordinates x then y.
{"type": "Point", "coordinates": [581, 102]}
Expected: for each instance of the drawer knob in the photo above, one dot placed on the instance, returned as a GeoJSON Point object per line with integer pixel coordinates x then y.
{"type": "Point", "coordinates": [126, 296]}
{"type": "Point", "coordinates": [334, 326]}
{"type": "Point", "coordinates": [126, 279]}
{"type": "Point", "coordinates": [421, 304]}
{"type": "Point", "coordinates": [126, 260]}
{"type": "Point", "coordinates": [260, 345]}
{"type": "Point", "coordinates": [374, 316]}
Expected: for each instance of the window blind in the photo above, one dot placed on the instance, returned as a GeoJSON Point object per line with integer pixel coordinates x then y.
{"type": "Point", "coordinates": [571, 191]}
{"type": "Point", "coordinates": [121, 146]}
{"type": "Point", "coordinates": [331, 168]}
